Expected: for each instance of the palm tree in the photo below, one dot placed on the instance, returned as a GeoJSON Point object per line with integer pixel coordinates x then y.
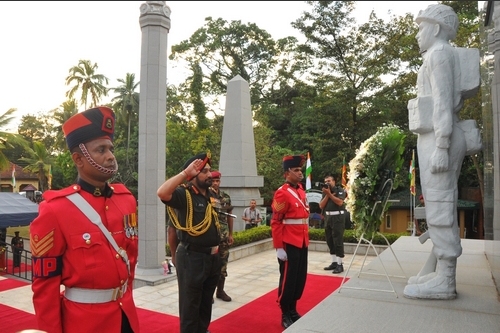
{"type": "Point", "coordinates": [60, 115]}
{"type": "Point", "coordinates": [8, 140]}
{"type": "Point", "coordinates": [39, 162]}
{"type": "Point", "coordinates": [88, 81]}
{"type": "Point", "coordinates": [127, 101]}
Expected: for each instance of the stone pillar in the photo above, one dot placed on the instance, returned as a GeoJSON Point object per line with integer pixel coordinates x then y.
{"type": "Point", "coordinates": [492, 153]}
{"type": "Point", "coordinates": [237, 163]}
{"type": "Point", "coordinates": [155, 25]}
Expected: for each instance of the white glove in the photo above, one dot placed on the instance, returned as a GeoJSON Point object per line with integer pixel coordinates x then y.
{"type": "Point", "coordinates": [281, 254]}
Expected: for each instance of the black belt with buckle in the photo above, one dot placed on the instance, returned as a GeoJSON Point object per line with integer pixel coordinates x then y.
{"type": "Point", "coordinates": [200, 249]}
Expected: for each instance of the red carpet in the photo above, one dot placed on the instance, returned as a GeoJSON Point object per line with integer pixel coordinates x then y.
{"type": "Point", "coordinates": [6, 284]}
{"type": "Point", "coordinates": [13, 320]}
{"type": "Point", "coordinates": [263, 313]}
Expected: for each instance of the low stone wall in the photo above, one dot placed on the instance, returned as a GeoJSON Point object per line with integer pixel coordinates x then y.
{"type": "Point", "coordinates": [242, 251]}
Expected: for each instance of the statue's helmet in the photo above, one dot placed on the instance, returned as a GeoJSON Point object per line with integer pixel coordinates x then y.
{"type": "Point", "coordinates": [441, 14]}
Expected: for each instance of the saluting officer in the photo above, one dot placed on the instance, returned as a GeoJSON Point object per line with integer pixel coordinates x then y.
{"type": "Point", "coordinates": [290, 232]}
{"type": "Point", "coordinates": [194, 238]}
{"type": "Point", "coordinates": [95, 262]}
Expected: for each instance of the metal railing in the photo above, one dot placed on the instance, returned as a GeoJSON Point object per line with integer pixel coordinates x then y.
{"type": "Point", "coordinates": [24, 271]}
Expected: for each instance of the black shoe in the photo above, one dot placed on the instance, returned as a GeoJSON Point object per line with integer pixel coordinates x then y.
{"type": "Point", "coordinates": [332, 266]}
{"type": "Point", "coordinates": [338, 269]}
{"type": "Point", "coordinates": [286, 321]}
{"type": "Point", "coordinates": [294, 315]}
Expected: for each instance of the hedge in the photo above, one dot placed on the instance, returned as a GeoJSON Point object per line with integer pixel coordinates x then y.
{"type": "Point", "coordinates": [264, 232]}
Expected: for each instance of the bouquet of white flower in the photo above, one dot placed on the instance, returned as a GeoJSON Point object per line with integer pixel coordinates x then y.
{"type": "Point", "coordinates": [378, 159]}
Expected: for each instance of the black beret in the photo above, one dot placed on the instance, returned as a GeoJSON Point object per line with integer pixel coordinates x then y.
{"type": "Point", "coordinates": [203, 156]}
{"type": "Point", "coordinates": [89, 125]}
{"type": "Point", "coordinates": [293, 161]}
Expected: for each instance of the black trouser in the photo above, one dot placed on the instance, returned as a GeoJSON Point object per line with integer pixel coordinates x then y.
{"type": "Point", "coordinates": [334, 233]}
{"type": "Point", "coordinates": [17, 257]}
{"type": "Point", "coordinates": [197, 278]}
{"type": "Point", "coordinates": [293, 274]}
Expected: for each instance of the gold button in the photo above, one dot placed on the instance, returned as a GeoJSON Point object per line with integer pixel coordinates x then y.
{"type": "Point", "coordinates": [107, 207]}
{"type": "Point", "coordinates": [121, 281]}
{"type": "Point", "coordinates": [87, 241]}
{"type": "Point", "coordinates": [75, 187]}
{"type": "Point", "coordinates": [117, 256]}
{"type": "Point", "coordinates": [121, 304]}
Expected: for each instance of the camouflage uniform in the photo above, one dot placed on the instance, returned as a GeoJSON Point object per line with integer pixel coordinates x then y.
{"type": "Point", "coordinates": [223, 203]}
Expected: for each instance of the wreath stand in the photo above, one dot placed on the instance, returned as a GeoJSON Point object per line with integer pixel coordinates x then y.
{"type": "Point", "coordinates": [382, 203]}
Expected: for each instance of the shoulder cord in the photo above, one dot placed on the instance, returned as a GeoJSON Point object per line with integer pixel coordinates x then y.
{"type": "Point", "coordinates": [94, 217]}
{"type": "Point", "coordinates": [200, 228]}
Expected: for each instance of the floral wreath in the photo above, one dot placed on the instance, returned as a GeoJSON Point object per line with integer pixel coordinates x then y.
{"type": "Point", "coordinates": [378, 159]}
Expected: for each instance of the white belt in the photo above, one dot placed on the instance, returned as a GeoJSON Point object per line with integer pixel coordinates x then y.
{"type": "Point", "coordinates": [83, 295]}
{"type": "Point", "coordinates": [336, 212]}
{"type": "Point", "coordinates": [296, 221]}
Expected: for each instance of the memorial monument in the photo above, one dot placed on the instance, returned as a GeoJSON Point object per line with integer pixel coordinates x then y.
{"type": "Point", "coordinates": [237, 158]}
{"type": "Point", "coordinates": [448, 75]}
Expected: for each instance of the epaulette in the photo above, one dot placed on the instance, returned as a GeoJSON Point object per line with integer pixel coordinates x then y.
{"type": "Point", "coordinates": [53, 194]}
{"type": "Point", "coordinates": [119, 188]}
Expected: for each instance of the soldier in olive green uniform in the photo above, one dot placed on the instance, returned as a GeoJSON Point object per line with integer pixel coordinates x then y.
{"type": "Point", "coordinates": [223, 205]}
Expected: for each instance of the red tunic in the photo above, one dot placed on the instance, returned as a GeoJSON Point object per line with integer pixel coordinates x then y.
{"type": "Point", "coordinates": [286, 205]}
{"type": "Point", "coordinates": [62, 234]}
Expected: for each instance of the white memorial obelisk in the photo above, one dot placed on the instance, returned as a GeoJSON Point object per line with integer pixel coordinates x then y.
{"type": "Point", "coordinates": [238, 163]}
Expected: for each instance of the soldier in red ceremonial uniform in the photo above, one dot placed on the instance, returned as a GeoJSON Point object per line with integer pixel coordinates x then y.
{"type": "Point", "coordinates": [85, 238]}
{"type": "Point", "coordinates": [290, 231]}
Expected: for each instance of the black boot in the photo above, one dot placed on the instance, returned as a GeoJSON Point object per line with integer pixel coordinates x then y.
{"type": "Point", "coordinates": [294, 315]}
{"type": "Point", "coordinates": [332, 266]}
{"type": "Point", "coordinates": [220, 290]}
{"type": "Point", "coordinates": [338, 269]}
{"type": "Point", "coordinates": [286, 320]}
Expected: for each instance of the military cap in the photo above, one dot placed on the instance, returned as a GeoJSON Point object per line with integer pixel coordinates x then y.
{"type": "Point", "coordinates": [293, 161]}
{"type": "Point", "coordinates": [216, 174]}
{"type": "Point", "coordinates": [202, 156]}
{"type": "Point", "coordinates": [89, 125]}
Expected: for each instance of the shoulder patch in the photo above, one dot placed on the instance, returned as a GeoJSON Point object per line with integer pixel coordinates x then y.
{"type": "Point", "coordinates": [278, 206]}
{"type": "Point", "coordinates": [40, 245]}
{"type": "Point", "coordinates": [47, 267]}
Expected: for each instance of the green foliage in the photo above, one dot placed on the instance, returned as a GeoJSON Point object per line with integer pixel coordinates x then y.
{"type": "Point", "coordinates": [64, 172]}
{"type": "Point", "coordinates": [85, 78]}
{"type": "Point", "coordinates": [350, 236]}
{"type": "Point", "coordinates": [9, 140]}
{"type": "Point", "coordinates": [378, 159]}
{"type": "Point", "coordinates": [251, 235]}
{"type": "Point", "coordinates": [245, 237]}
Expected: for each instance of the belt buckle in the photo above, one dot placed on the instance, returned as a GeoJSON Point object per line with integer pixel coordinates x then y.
{"type": "Point", "coordinates": [214, 249]}
{"type": "Point", "coordinates": [304, 221]}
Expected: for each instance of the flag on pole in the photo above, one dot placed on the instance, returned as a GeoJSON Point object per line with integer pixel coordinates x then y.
{"type": "Point", "coordinates": [308, 172]}
{"type": "Point", "coordinates": [412, 174]}
{"type": "Point", "coordinates": [13, 175]}
{"type": "Point", "coordinates": [344, 173]}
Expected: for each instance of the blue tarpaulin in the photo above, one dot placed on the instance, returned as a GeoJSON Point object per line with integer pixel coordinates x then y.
{"type": "Point", "coordinates": [16, 210]}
